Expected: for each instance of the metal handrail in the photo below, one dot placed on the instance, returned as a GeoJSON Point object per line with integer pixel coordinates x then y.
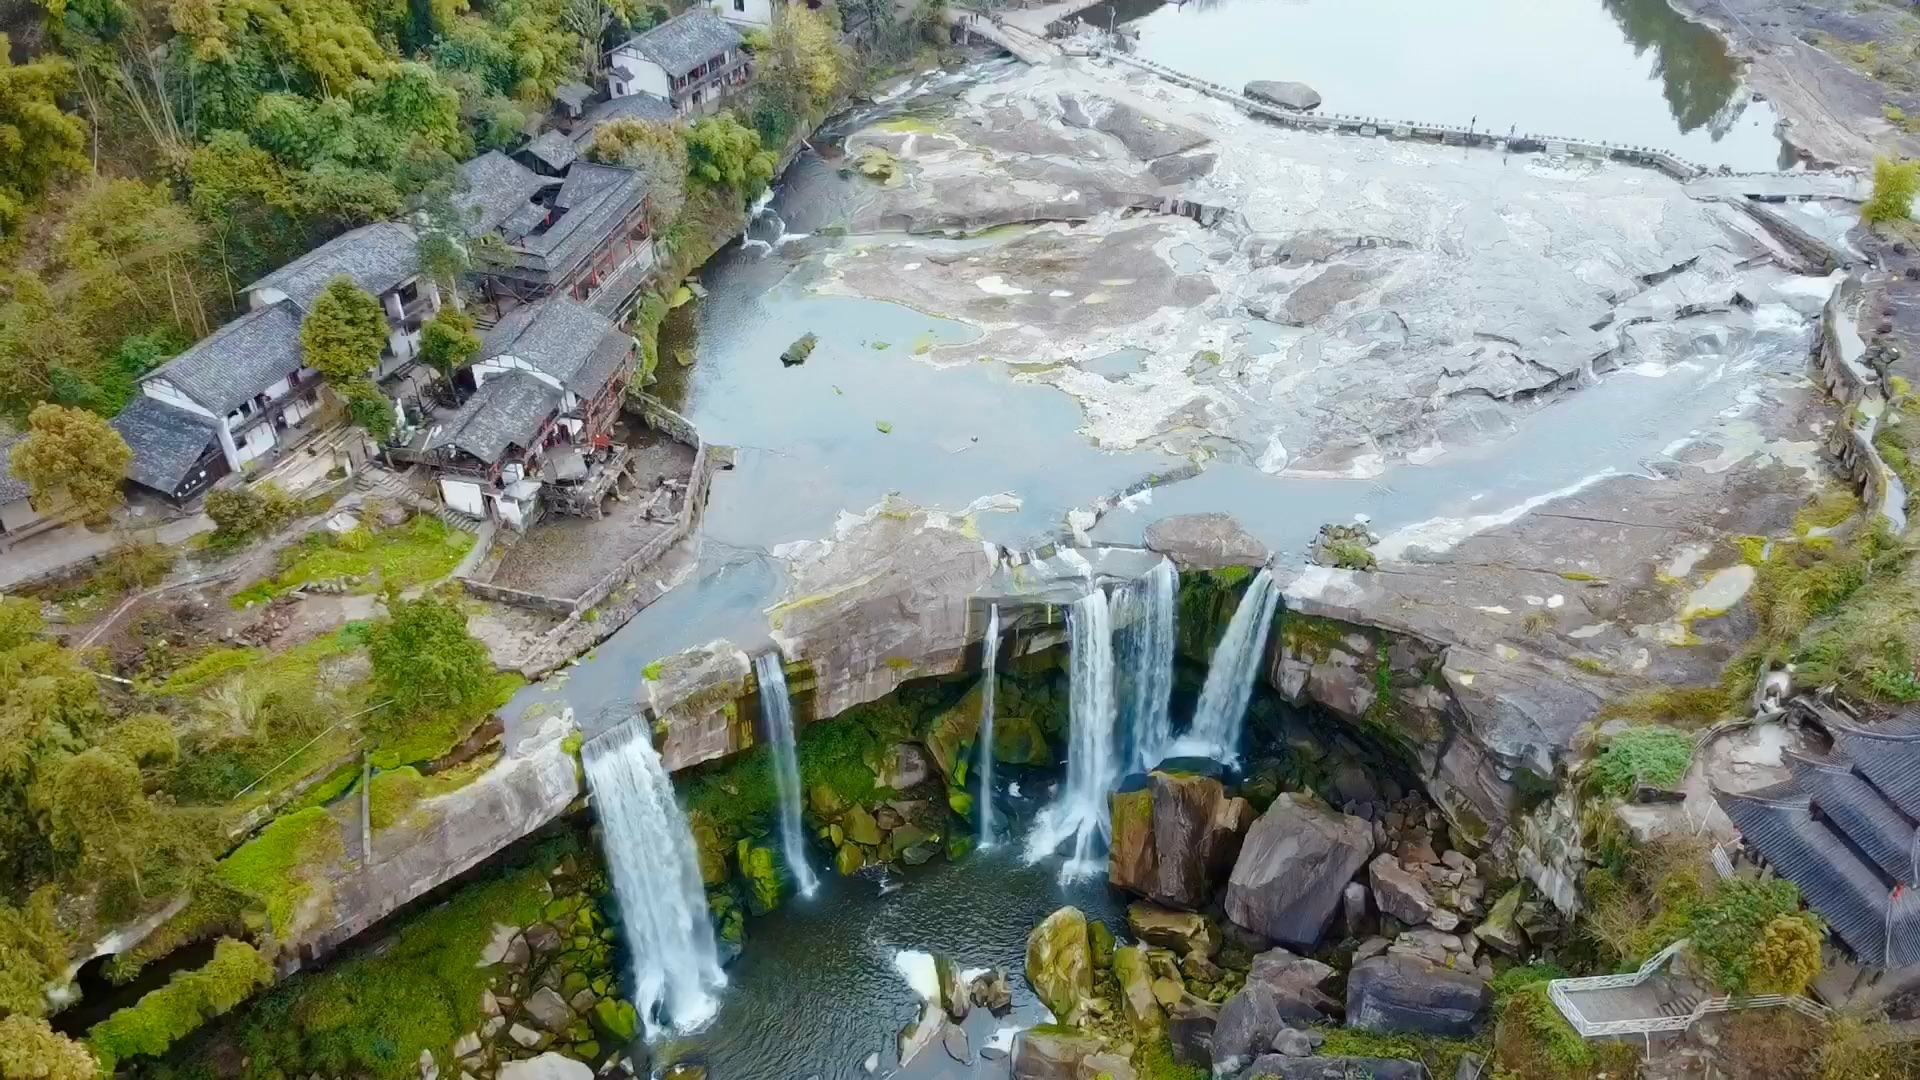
{"type": "Point", "coordinates": [1561, 992]}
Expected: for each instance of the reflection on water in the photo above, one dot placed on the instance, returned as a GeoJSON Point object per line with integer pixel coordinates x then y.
{"type": "Point", "coordinates": [1627, 71]}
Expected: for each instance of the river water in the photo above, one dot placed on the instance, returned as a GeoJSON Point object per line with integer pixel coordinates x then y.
{"type": "Point", "coordinates": [1626, 71]}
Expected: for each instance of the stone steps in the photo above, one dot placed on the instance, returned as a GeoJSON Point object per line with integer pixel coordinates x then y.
{"type": "Point", "coordinates": [374, 480]}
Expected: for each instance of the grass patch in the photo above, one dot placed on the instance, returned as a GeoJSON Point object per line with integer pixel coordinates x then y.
{"type": "Point", "coordinates": [269, 869]}
{"type": "Point", "coordinates": [207, 667]}
{"type": "Point", "coordinates": [1684, 707]}
{"type": "Point", "coordinates": [373, 1014]}
{"type": "Point", "coordinates": [1440, 1056]}
{"type": "Point", "coordinates": [1657, 756]}
{"type": "Point", "coordinates": [422, 550]}
{"type": "Point", "coordinates": [337, 783]}
{"type": "Point", "coordinates": [433, 736]}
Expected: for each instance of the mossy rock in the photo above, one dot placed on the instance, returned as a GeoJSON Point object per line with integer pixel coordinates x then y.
{"type": "Point", "coordinates": [836, 835]}
{"type": "Point", "coordinates": [951, 734]}
{"type": "Point", "coordinates": [1100, 942]}
{"type": "Point", "coordinates": [560, 908]}
{"type": "Point", "coordinates": [763, 877]}
{"type": "Point", "coordinates": [617, 1019]}
{"type": "Point", "coordinates": [849, 859]}
{"type": "Point", "coordinates": [587, 1051]}
{"type": "Point", "coordinates": [826, 802]}
{"type": "Point", "coordinates": [906, 836]}
{"type": "Point", "coordinates": [711, 846]}
{"type": "Point", "coordinates": [573, 983]}
{"type": "Point", "coordinates": [958, 845]}
{"type": "Point", "coordinates": [860, 826]}
{"type": "Point", "coordinates": [960, 803]}
{"type": "Point", "coordinates": [601, 986]}
{"type": "Point", "coordinates": [1018, 740]}
{"type": "Point", "coordinates": [920, 853]}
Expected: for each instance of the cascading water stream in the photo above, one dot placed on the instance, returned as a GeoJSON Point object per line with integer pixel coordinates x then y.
{"type": "Point", "coordinates": [1079, 812]}
{"type": "Point", "coordinates": [656, 881]}
{"type": "Point", "coordinates": [777, 711]}
{"type": "Point", "coordinates": [754, 211]}
{"type": "Point", "coordinates": [1221, 715]}
{"type": "Point", "coordinates": [989, 652]}
{"type": "Point", "coordinates": [1144, 651]}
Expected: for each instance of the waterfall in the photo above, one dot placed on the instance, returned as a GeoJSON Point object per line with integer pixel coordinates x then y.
{"type": "Point", "coordinates": [1145, 662]}
{"type": "Point", "coordinates": [1079, 812]}
{"type": "Point", "coordinates": [1222, 712]}
{"type": "Point", "coordinates": [777, 711]}
{"type": "Point", "coordinates": [989, 652]}
{"type": "Point", "coordinates": [753, 214]}
{"type": "Point", "coordinates": [656, 881]}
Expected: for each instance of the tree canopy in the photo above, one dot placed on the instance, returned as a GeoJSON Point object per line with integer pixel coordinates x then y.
{"type": "Point", "coordinates": [73, 461]}
{"type": "Point", "coordinates": [425, 661]}
{"type": "Point", "coordinates": [447, 341]}
{"type": "Point", "coordinates": [724, 153]}
{"type": "Point", "coordinates": [343, 332]}
{"type": "Point", "coordinates": [38, 141]}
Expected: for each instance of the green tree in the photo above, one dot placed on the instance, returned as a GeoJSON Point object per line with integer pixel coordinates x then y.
{"type": "Point", "coordinates": [723, 153]}
{"type": "Point", "coordinates": [129, 257]}
{"type": "Point", "coordinates": [343, 332]}
{"type": "Point", "coordinates": [32, 953]}
{"type": "Point", "coordinates": [73, 461]}
{"type": "Point", "coordinates": [1894, 185]}
{"type": "Point", "coordinates": [1787, 956]}
{"type": "Point", "coordinates": [425, 661]}
{"type": "Point", "coordinates": [31, 1050]}
{"type": "Point", "coordinates": [659, 153]}
{"type": "Point", "coordinates": [368, 407]}
{"type": "Point", "coordinates": [1727, 934]}
{"type": "Point", "coordinates": [45, 354]}
{"type": "Point", "coordinates": [101, 816]}
{"type": "Point", "coordinates": [447, 341]}
{"type": "Point", "coordinates": [38, 142]}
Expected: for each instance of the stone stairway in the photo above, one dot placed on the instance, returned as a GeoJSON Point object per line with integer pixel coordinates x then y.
{"type": "Point", "coordinates": [374, 480]}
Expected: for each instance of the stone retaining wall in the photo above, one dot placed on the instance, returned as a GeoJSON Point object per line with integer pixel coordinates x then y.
{"type": "Point", "coordinates": [1838, 367]}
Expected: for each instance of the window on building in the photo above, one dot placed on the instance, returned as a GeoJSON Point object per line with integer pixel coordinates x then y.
{"type": "Point", "coordinates": [739, 5]}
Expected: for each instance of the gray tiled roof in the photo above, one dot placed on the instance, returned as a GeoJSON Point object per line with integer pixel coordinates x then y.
{"type": "Point", "coordinates": [239, 360]}
{"type": "Point", "coordinates": [1889, 755]}
{"type": "Point", "coordinates": [578, 347]}
{"type": "Point", "coordinates": [166, 442]}
{"type": "Point", "coordinates": [507, 410]}
{"type": "Point", "coordinates": [555, 150]}
{"type": "Point", "coordinates": [378, 257]}
{"type": "Point", "coordinates": [596, 198]}
{"type": "Point", "coordinates": [496, 187]}
{"type": "Point", "coordinates": [11, 486]}
{"type": "Point", "coordinates": [648, 107]}
{"type": "Point", "coordinates": [572, 94]}
{"type": "Point", "coordinates": [687, 40]}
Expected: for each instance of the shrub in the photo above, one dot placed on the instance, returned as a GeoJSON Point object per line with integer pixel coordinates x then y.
{"type": "Point", "coordinates": [1732, 934]}
{"type": "Point", "coordinates": [31, 1050]}
{"type": "Point", "coordinates": [1894, 185]}
{"type": "Point", "coordinates": [242, 513]}
{"type": "Point", "coordinates": [1652, 755]}
{"type": "Point", "coordinates": [189, 999]}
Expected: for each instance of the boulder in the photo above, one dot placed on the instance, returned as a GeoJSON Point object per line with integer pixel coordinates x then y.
{"type": "Point", "coordinates": [1297, 96]}
{"type": "Point", "coordinates": [1182, 932]}
{"type": "Point", "coordinates": [550, 1010]}
{"type": "Point", "coordinates": [904, 766]}
{"type": "Point", "coordinates": [525, 1036]}
{"type": "Point", "coordinates": [1225, 833]}
{"type": "Point", "coordinates": [953, 992]}
{"type": "Point", "coordinates": [1246, 1027]}
{"type": "Point", "coordinates": [1281, 1067]}
{"type": "Point", "coordinates": [860, 827]}
{"type": "Point", "coordinates": [1292, 869]}
{"type": "Point", "coordinates": [1190, 1026]}
{"type": "Point", "coordinates": [1060, 962]}
{"type": "Point", "coordinates": [1051, 1053]}
{"type": "Point", "coordinates": [1180, 168]}
{"type": "Point", "coordinates": [957, 1047]}
{"type": "Point", "coordinates": [1293, 1042]}
{"type": "Point", "coordinates": [1290, 974]}
{"type": "Point", "coordinates": [991, 992]}
{"type": "Point", "coordinates": [921, 1032]}
{"type": "Point", "coordinates": [1400, 992]}
{"type": "Point", "coordinates": [1105, 1066]}
{"type": "Point", "coordinates": [1183, 837]}
{"type": "Point", "coordinates": [1205, 542]}
{"type": "Point", "coordinates": [1018, 740]}
{"type": "Point", "coordinates": [548, 1066]}
{"type": "Point", "coordinates": [1501, 928]}
{"type": "Point", "coordinates": [1137, 1002]}
{"type": "Point", "coordinates": [1398, 891]}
